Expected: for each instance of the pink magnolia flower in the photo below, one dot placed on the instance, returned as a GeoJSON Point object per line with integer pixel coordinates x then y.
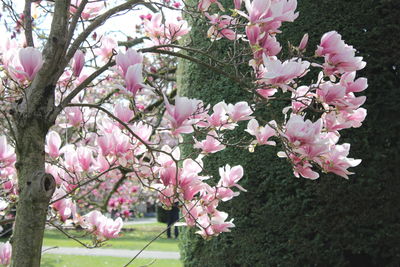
{"type": "Point", "coordinates": [231, 176]}
{"type": "Point", "coordinates": [225, 194]}
{"type": "Point", "coordinates": [215, 225]}
{"type": "Point", "coordinates": [78, 62]}
{"type": "Point", "coordinates": [7, 154]}
{"type": "Point", "coordinates": [142, 130]}
{"type": "Point", "coordinates": [261, 133]}
{"type": "Point", "coordinates": [91, 9]}
{"type": "Point", "coordinates": [269, 46]}
{"type": "Point", "coordinates": [339, 57]}
{"type": "Point", "coordinates": [267, 93]}
{"type": "Point", "coordinates": [107, 45]}
{"type": "Point", "coordinates": [239, 112]}
{"type": "Point", "coordinates": [350, 102]}
{"type": "Point", "coordinates": [5, 253]}
{"type": "Point", "coordinates": [219, 118]}
{"type": "Point", "coordinates": [101, 164]}
{"type": "Point", "coordinates": [85, 157]}
{"type": "Point", "coordinates": [164, 33]}
{"type": "Point", "coordinates": [154, 27]}
{"type": "Point", "coordinates": [53, 144]}
{"type": "Point", "coordinates": [103, 227]}
{"type": "Point", "coordinates": [301, 98]}
{"type": "Point", "coordinates": [331, 42]}
{"type": "Point", "coordinates": [221, 27]}
{"type": "Point", "coordinates": [74, 116]}
{"type": "Point", "coordinates": [134, 79]}
{"type": "Point", "coordinates": [237, 3]}
{"type": "Point", "coordinates": [219, 224]}
{"type": "Point", "coordinates": [304, 169]}
{"type": "Point", "coordinates": [167, 196]}
{"type": "Point", "coordinates": [280, 74]}
{"type": "Point", "coordinates": [336, 161]}
{"type": "Point", "coordinates": [283, 10]}
{"type": "Point", "coordinates": [257, 10]}
{"type": "Point", "coordinates": [176, 29]}
{"type": "Point", "coordinates": [353, 86]}
{"type": "Point", "coordinates": [300, 132]}
{"type": "Point", "coordinates": [129, 58]}
{"type": "Point", "coordinates": [121, 143]}
{"type": "Point", "coordinates": [179, 114]}
{"type": "Point", "coordinates": [31, 61]}
{"type": "Point", "coordinates": [330, 93]}
{"type": "Point", "coordinates": [211, 144]}
{"type": "Point", "coordinates": [123, 112]}
{"type": "Point", "coordinates": [176, 5]}
{"type": "Point", "coordinates": [336, 121]}
{"type": "Point", "coordinates": [300, 166]}
{"type": "Point", "coordinates": [111, 228]}
{"type": "Point", "coordinates": [71, 158]}
{"type": "Point", "coordinates": [64, 206]}
{"type": "Point", "coordinates": [26, 65]}
{"type": "Point", "coordinates": [106, 144]}
{"type": "Point", "coordinates": [253, 33]}
{"type": "Point", "coordinates": [303, 42]}
{"type": "Point", "coordinates": [205, 4]}
{"type": "Point", "coordinates": [164, 159]}
{"type": "Point", "coordinates": [192, 212]}
{"type": "Point", "coordinates": [8, 186]}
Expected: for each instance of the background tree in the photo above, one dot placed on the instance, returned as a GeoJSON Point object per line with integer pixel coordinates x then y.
{"type": "Point", "coordinates": [330, 221]}
{"type": "Point", "coordinates": [83, 137]}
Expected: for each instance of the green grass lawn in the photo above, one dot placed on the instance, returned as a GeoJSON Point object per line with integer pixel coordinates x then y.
{"type": "Point", "coordinates": [49, 260]}
{"type": "Point", "coordinates": [138, 236]}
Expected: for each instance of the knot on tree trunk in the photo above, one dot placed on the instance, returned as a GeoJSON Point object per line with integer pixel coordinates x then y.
{"type": "Point", "coordinates": [39, 187]}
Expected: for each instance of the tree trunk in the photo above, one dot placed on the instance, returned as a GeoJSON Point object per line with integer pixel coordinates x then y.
{"type": "Point", "coordinates": [35, 190]}
{"type": "Point", "coordinates": [33, 116]}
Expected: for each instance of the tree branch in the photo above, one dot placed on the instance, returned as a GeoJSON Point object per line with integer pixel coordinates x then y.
{"type": "Point", "coordinates": [28, 23]}
{"type": "Point", "coordinates": [75, 20]}
{"type": "Point", "coordinates": [113, 190]}
{"type": "Point", "coordinates": [98, 22]}
{"type": "Point", "coordinates": [40, 94]}
{"type": "Point", "coordinates": [195, 60]}
{"type": "Point", "coordinates": [133, 42]}
{"type": "Point", "coordinates": [79, 88]}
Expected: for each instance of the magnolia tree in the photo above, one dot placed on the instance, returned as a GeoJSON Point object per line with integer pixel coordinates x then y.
{"type": "Point", "coordinates": [92, 120]}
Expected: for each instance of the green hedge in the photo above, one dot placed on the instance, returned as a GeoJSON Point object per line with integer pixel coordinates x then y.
{"type": "Point", "coordinates": [284, 221]}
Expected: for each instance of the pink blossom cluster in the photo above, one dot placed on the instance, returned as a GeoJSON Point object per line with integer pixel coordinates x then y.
{"type": "Point", "coordinates": [163, 33]}
{"type": "Point", "coordinates": [130, 67]}
{"type": "Point", "coordinates": [94, 222]}
{"type": "Point", "coordinates": [265, 19]}
{"type": "Point", "coordinates": [104, 228]}
{"type": "Point", "coordinates": [306, 144]}
{"type": "Point", "coordinates": [339, 57]}
{"type": "Point", "coordinates": [200, 201]}
{"type": "Point", "coordinates": [186, 185]}
{"type": "Point", "coordinates": [221, 27]}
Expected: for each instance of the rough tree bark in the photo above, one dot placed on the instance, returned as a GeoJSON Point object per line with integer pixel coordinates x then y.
{"type": "Point", "coordinates": [31, 120]}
